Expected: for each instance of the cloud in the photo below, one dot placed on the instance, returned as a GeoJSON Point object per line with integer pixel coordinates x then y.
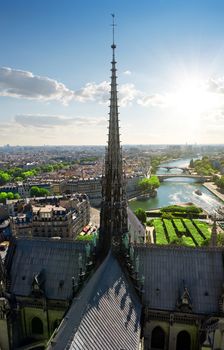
{"type": "Point", "coordinates": [19, 83]}
{"type": "Point", "coordinates": [93, 92]}
{"type": "Point", "coordinates": [153, 100]}
{"type": "Point", "coordinates": [51, 121]}
{"type": "Point", "coordinates": [100, 93]}
{"type": "Point", "coordinates": [127, 94]}
{"type": "Point", "coordinates": [127, 72]}
{"type": "Point", "coordinates": [24, 84]}
{"type": "Point", "coordinates": [215, 117]}
{"type": "Point", "coordinates": [215, 85]}
{"type": "Point", "coordinates": [41, 121]}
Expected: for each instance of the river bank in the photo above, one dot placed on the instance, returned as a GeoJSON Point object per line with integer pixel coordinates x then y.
{"type": "Point", "coordinates": [213, 188]}
{"type": "Point", "coordinates": [180, 190]}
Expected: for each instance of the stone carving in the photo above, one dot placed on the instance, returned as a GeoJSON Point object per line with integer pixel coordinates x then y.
{"type": "Point", "coordinates": [184, 303]}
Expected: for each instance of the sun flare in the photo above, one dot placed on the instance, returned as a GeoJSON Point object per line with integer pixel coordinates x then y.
{"type": "Point", "coordinates": [192, 98]}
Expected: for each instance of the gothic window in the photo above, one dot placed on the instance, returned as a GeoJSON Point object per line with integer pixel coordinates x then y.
{"type": "Point", "coordinates": [158, 338]}
{"type": "Point", "coordinates": [37, 326]}
{"type": "Point", "coordinates": [183, 341]}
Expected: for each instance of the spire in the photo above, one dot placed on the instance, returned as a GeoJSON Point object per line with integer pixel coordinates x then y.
{"type": "Point", "coordinates": [113, 46]}
{"type": "Point", "coordinates": [113, 218]}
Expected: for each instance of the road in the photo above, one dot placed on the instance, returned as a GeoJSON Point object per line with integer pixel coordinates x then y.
{"type": "Point", "coordinates": [95, 216]}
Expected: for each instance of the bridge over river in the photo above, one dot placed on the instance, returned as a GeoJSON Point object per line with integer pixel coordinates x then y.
{"type": "Point", "coordinates": [197, 178]}
{"type": "Point", "coordinates": [169, 167]}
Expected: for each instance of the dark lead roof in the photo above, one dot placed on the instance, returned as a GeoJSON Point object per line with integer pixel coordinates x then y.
{"type": "Point", "coordinates": [51, 262]}
{"type": "Point", "coordinates": [106, 315]}
{"type": "Point", "coordinates": [168, 270]}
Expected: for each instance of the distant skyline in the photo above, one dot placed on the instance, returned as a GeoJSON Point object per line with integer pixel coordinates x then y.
{"type": "Point", "coordinates": [55, 71]}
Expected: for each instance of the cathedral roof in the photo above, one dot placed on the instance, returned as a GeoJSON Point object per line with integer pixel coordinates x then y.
{"type": "Point", "coordinates": [49, 263]}
{"type": "Point", "coordinates": [167, 270]}
{"type": "Point", "coordinates": [106, 315]}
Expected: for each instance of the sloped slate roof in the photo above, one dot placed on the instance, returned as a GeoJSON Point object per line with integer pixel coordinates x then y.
{"type": "Point", "coordinates": [167, 270]}
{"type": "Point", "coordinates": [106, 316]}
{"type": "Point", "coordinates": [135, 225]}
{"type": "Point", "coordinates": [58, 261]}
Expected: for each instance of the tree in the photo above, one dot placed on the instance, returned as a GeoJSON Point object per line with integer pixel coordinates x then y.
{"type": "Point", "coordinates": [144, 185]}
{"type": "Point", "coordinates": [8, 195]}
{"type": "Point", "coordinates": [220, 239]}
{"type": "Point", "coordinates": [47, 168]}
{"type": "Point", "coordinates": [3, 197]}
{"type": "Point", "coordinates": [29, 173]}
{"type": "Point", "coordinates": [220, 183]}
{"type": "Point", "coordinates": [154, 182]}
{"type": "Point", "coordinates": [4, 177]}
{"type": "Point", "coordinates": [38, 192]}
{"type": "Point", "coordinates": [141, 215]}
{"type": "Point", "coordinates": [149, 184]}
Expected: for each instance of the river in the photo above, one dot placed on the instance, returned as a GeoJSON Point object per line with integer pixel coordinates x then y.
{"type": "Point", "coordinates": [178, 190]}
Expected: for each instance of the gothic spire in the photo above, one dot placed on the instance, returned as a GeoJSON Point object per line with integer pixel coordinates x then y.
{"type": "Point", "coordinates": [113, 221]}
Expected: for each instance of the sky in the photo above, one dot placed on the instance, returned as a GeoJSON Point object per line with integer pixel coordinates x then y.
{"type": "Point", "coordinates": [55, 71]}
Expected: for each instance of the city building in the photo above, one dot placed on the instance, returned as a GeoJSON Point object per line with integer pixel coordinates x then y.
{"type": "Point", "coordinates": [59, 216]}
{"type": "Point", "coordinates": [93, 187]}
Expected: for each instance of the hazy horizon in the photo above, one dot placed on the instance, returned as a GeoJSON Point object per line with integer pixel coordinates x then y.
{"type": "Point", "coordinates": [123, 145]}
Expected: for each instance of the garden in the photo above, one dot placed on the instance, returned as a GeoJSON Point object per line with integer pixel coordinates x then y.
{"type": "Point", "coordinates": [187, 232]}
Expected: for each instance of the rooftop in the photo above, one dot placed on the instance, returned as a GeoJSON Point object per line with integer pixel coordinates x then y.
{"type": "Point", "coordinates": [106, 315]}
{"type": "Point", "coordinates": [167, 270]}
{"type": "Point", "coordinates": [60, 260]}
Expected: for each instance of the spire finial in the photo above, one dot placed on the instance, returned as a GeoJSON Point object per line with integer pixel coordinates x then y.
{"type": "Point", "coordinates": [113, 46]}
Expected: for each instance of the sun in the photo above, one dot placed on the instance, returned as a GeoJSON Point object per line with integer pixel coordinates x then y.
{"type": "Point", "coordinates": [192, 98]}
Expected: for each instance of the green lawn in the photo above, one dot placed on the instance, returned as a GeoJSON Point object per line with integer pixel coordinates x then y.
{"type": "Point", "coordinates": [170, 229]}
{"type": "Point", "coordinates": [179, 226]}
{"type": "Point", "coordinates": [160, 233]}
{"type": "Point", "coordinates": [203, 228]}
{"type": "Point", "coordinates": [188, 241]}
{"type": "Point", "coordinates": [188, 232]}
{"type": "Point", "coordinates": [192, 230]}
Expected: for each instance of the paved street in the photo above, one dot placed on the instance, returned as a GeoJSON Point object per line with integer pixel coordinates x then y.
{"type": "Point", "coordinates": [95, 216]}
{"type": "Point", "coordinates": [213, 188]}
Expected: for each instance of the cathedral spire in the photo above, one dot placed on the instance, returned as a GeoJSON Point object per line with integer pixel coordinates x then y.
{"type": "Point", "coordinates": [113, 217]}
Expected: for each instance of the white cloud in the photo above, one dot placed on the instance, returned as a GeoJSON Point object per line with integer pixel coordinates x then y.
{"type": "Point", "coordinates": [51, 121]}
{"type": "Point", "coordinates": [215, 117]}
{"type": "Point", "coordinates": [37, 129]}
{"type": "Point", "coordinates": [24, 84]}
{"type": "Point", "coordinates": [19, 83]}
{"type": "Point", "coordinates": [127, 72]}
{"type": "Point", "coordinates": [215, 85]}
{"type": "Point", "coordinates": [93, 92]}
{"type": "Point", "coordinates": [41, 121]}
{"type": "Point", "coordinates": [100, 93]}
{"type": "Point", "coordinates": [153, 100]}
{"type": "Point", "coordinates": [127, 94]}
